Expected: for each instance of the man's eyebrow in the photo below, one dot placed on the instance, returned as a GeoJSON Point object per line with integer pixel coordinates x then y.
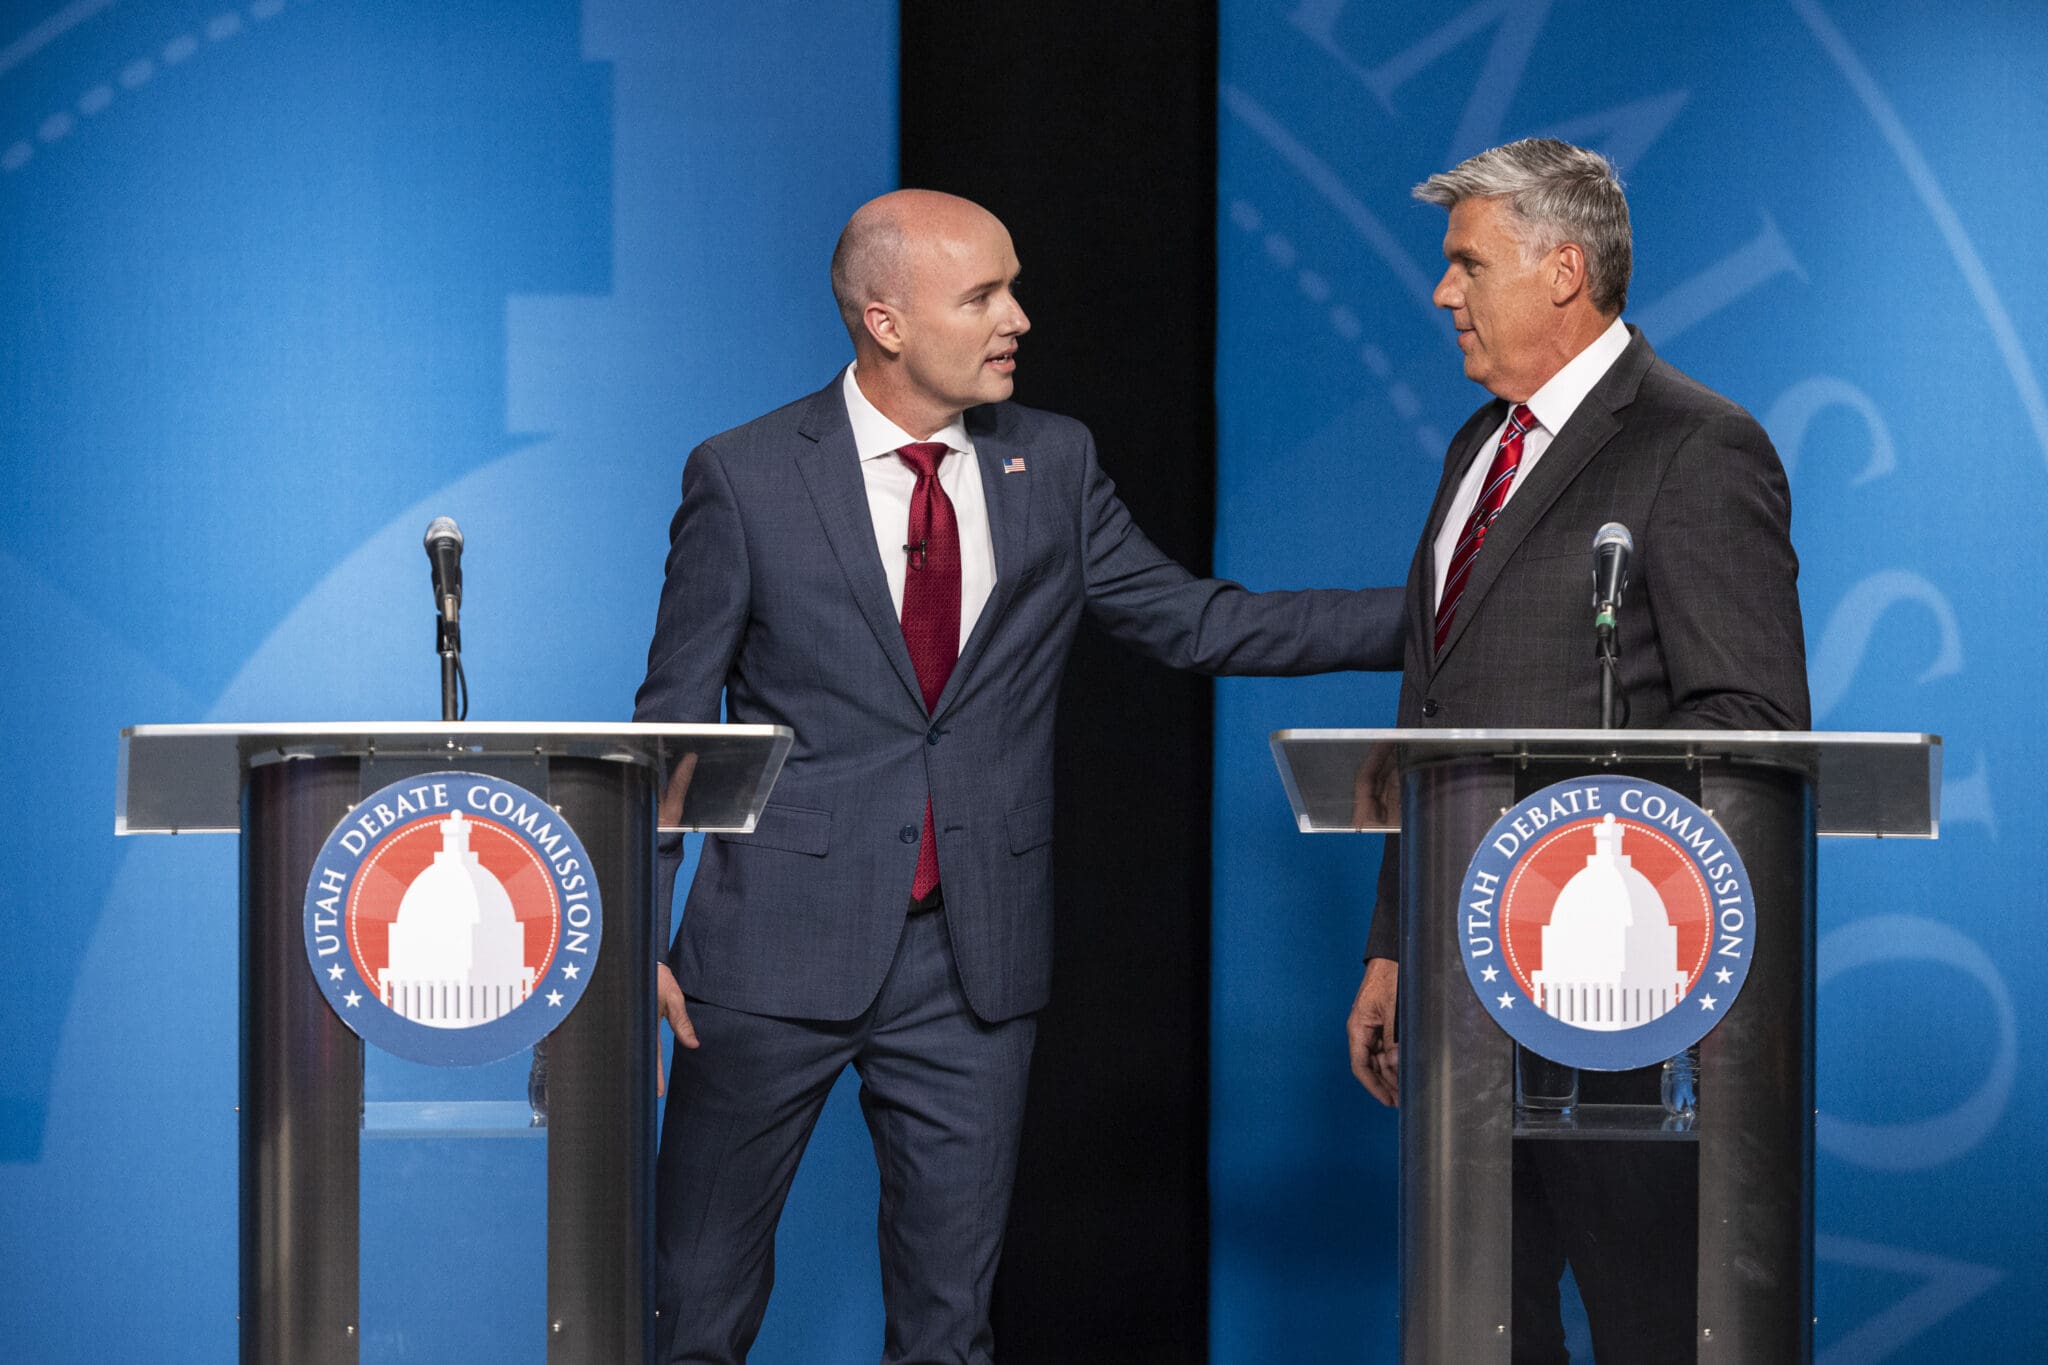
{"type": "Point", "coordinates": [984, 286]}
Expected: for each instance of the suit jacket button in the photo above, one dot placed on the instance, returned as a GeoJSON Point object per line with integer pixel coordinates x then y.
{"type": "Point", "coordinates": [1430, 707]}
{"type": "Point", "coordinates": [931, 736]}
{"type": "Point", "coordinates": [908, 834]}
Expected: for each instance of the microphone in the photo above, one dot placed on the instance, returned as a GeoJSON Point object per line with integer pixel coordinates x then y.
{"type": "Point", "coordinates": [444, 550]}
{"type": "Point", "coordinates": [1612, 546]}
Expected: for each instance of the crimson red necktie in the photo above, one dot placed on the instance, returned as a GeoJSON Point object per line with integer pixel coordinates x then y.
{"type": "Point", "coordinates": [931, 610]}
{"type": "Point", "coordinates": [1493, 495]}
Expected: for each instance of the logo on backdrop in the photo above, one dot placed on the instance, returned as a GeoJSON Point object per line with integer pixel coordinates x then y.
{"type": "Point", "coordinates": [1606, 923]}
{"type": "Point", "coordinates": [453, 919]}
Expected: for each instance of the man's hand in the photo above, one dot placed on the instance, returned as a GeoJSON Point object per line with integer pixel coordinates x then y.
{"type": "Point", "coordinates": [1376, 790]}
{"type": "Point", "coordinates": [670, 998]}
{"type": "Point", "coordinates": [669, 810]}
{"type": "Point", "coordinates": [1375, 1052]}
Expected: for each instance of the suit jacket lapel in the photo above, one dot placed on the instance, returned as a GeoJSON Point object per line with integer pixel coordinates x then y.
{"type": "Point", "coordinates": [1008, 499]}
{"type": "Point", "coordinates": [1591, 426]}
{"type": "Point", "coordinates": [830, 466]}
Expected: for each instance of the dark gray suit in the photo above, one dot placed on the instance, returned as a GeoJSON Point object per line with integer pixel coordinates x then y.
{"type": "Point", "coordinates": [775, 597]}
{"type": "Point", "coordinates": [1710, 638]}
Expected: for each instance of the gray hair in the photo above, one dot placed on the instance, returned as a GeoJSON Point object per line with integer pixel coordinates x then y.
{"type": "Point", "coordinates": [868, 264]}
{"type": "Point", "coordinates": [1558, 193]}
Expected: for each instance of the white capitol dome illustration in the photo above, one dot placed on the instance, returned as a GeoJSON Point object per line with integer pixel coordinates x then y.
{"type": "Point", "coordinates": [1610, 951]}
{"type": "Point", "coordinates": [457, 951]}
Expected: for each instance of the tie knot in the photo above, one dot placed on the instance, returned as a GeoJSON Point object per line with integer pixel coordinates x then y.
{"type": "Point", "coordinates": [1520, 421]}
{"type": "Point", "coordinates": [923, 457]}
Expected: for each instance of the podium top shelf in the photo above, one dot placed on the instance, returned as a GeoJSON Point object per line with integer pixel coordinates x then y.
{"type": "Point", "coordinates": [1874, 784]}
{"type": "Point", "coordinates": [187, 779]}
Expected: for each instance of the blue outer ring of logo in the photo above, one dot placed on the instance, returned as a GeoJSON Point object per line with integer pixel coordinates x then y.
{"type": "Point", "coordinates": [399, 805]}
{"type": "Point", "coordinates": [1713, 855]}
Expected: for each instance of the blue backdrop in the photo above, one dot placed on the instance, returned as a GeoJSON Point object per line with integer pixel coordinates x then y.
{"type": "Point", "coordinates": [282, 282]}
{"type": "Point", "coordinates": [285, 279]}
{"type": "Point", "coordinates": [1836, 215]}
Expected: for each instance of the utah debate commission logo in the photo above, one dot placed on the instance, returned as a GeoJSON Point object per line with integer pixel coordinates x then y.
{"type": "Point", "coordinates": [453, 919]}
{"type": "Point", "coordinates": [1606, 923]}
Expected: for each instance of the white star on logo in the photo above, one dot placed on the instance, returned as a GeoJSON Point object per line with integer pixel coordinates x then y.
{"type": "Point", "coordinates": [352, 999]}
{"type": "Point", "coordinates": [571, 970]}
{"type": "Point", "coordinates": [1489, 974]}
{"type": "Point", "coordinates": [334, 972]}
{"type": "Point", "coordinates": [1724, 976]}
{"type": "Point", "coordinates": [1507, 1002]}
{"type": "Point", "coordinates": [1706, 1002]}
{"type": "Point", "coordinates": [554, 997]}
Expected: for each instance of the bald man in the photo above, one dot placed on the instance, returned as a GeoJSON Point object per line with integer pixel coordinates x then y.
{"type": "Point", "coordinates": [894, 568]}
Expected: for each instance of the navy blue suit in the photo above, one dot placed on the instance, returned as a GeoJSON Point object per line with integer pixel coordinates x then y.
{"type": "Point", "coordinates": [776, 598]}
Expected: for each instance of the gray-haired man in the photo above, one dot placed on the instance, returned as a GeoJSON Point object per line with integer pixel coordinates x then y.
{"type": "Point", "coordinates": [1586, 426]}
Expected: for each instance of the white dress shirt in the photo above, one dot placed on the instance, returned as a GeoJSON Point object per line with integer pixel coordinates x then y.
{"type": "Point", "coordinates": [1553, 405]}
{"type": "Point", "coordinates": [890, 483]}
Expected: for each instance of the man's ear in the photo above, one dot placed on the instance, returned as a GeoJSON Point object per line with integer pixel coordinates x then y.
{"type": "Point", "coordinates": [881, 322]}
{"type": "Point", "coordinates": [1567, 273]}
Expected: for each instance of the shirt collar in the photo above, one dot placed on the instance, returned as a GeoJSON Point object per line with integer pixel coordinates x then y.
{"type": "Point", "coordinates": [874, 435]}
{"type": "Point", "coordinates": [1557, 400]}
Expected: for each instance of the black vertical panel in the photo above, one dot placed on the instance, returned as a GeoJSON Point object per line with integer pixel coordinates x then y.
{"type": "Point", "coordinates": [1090, 130]}
{"type": "Point", "coordinates": [301, 1088]}
{"type": "Point", "coordinates": [600, 1092]}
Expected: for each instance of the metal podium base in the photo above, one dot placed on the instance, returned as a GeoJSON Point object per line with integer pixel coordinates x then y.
{"type": "Point", "coordinates": [1754, 1131]}
{"type": "Point", "coordinates": [302, 1085]}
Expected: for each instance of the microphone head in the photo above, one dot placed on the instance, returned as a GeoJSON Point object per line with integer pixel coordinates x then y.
{"type": "Point", "coordinates": [1613, 533]}
{"type": "Point", "coordinates": [445, 529]}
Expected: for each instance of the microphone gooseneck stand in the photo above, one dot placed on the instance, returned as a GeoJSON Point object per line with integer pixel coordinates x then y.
{"type": "Point", "coordinates": [454, 687]}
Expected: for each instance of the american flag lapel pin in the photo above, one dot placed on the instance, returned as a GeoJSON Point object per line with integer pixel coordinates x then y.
{"type": "Point", "coordinates": [1014, 465]}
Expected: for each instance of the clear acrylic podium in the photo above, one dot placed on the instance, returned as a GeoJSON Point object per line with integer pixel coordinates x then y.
{"type": "Point", "coordinates": [1459, 1124]}
{"type": "Point", "coordinates": [590, 1091]}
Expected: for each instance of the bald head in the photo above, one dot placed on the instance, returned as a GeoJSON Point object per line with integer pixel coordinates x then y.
{"type": "Point", "coordinates": [886, 240]}
{"type": "Point", "coordinates": [926, 283]}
